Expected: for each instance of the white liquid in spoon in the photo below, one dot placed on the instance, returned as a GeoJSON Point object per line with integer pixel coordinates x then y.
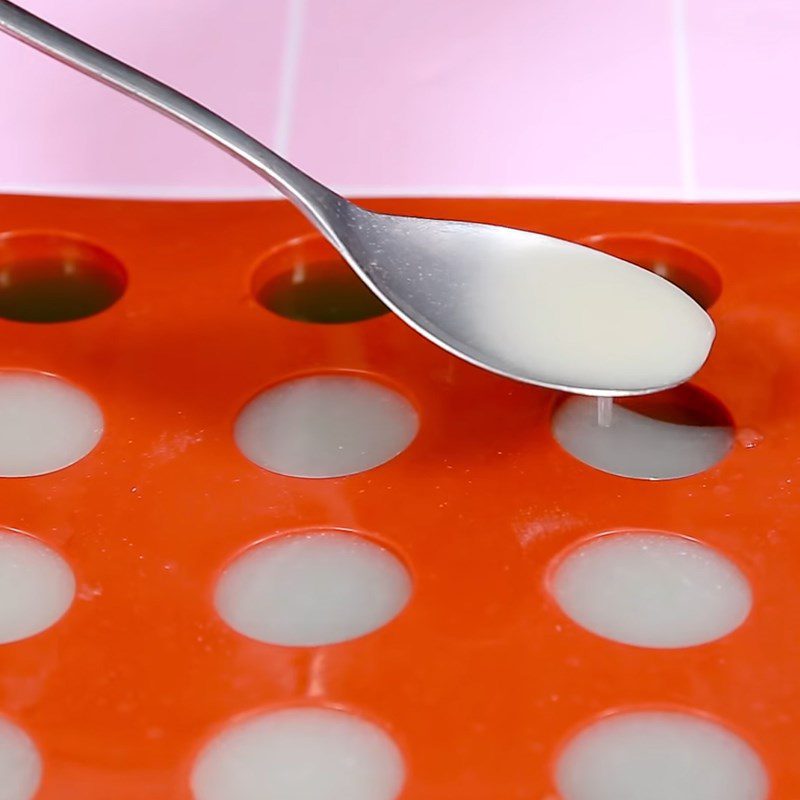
{"type": "Point", "coordinates": [633, 445]}
{"type": "Point", "coordinates": [659, 755]}
{"type": "Point", "coordinates": [300, 754]}
{"type": "Point", "coordinates": [580, 318]}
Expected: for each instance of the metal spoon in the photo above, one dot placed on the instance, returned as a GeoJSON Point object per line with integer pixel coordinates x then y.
{"type": "Point", "coordinates": [524, 305]}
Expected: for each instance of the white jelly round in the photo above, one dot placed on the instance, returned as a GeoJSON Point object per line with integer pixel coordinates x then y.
{"type": "Point", "coordinates": [45, 424]}
{"type": "Point", "coordinates": [325, 426]}
{"type": "Point", "coordinates": [300, 754]}
{"type": "Point", "coordinates": [659, 755]}
{"type": "Point", "coordinates": [633, 445]}
{"type": "Point", "coordinates": [20, 763]}
{"type": "Point", "coordinates": [651, 589]}
{"type": "Point", "coordinates": [36, 586]}
{"type": "Point", "coordinates": [312, 589]}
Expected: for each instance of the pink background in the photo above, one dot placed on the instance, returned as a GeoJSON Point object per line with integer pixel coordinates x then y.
{"type": "Point", "coordinates": [686, 99]}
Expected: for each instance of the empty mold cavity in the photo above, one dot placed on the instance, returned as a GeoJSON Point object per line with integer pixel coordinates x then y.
{"type": "Point", "coordinates": [659, 755]}
{"type": "Point", "coordinates": [325, 426]}
{"type": "Point", "coordinates": [651, 589]}
{"type": "Point", "coordinates": [45, 424]}
{"type": "Point", "coordinates": [687, 269]}
{"type": "Point", "coordinates": [307, 280]}
{"type": "Point", "coordinates": [36, 587]}
{"type": "Point", "coordinates": [300, 754]}
{"type": "Point", "coordinates": [671, 434]}
{"type": "Point", "coordinates": [312, 588]}
{"type": "Point", "coordinates": [55, 278]}
{"type": "Point", "coordinates": [20, 763]}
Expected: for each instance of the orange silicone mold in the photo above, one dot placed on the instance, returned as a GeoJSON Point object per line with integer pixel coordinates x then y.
{"type": "Point", "coordinates": [481, 677]}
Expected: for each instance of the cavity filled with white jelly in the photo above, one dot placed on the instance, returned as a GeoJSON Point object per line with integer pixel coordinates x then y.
{"type": "Point", "coordinates": [651, 589]}
{"type": "Point", "coordinates": [312, 589]}
{"type": "Point", "coordinates": [659, 755]}
{"type": "Point", "coordinates": [20, 763]}
{"type": "Point", "coordinates": [633, 445]}
{"type": "Point", "coordinates": [300, 754]}
{"type": "Point", "coordinates": [45, 424]}
{"type": "Point", "coordinates": [36, 586]}
{"type": "Point", "coordinates": [325, 426]}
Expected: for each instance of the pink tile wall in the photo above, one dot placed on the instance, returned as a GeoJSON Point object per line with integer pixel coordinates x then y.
{"type": "Point", "coordinates": [475, 93]}
{"type": "Point", "coordinates": [61, 131]}
{"type": "Point", "coordinates": [745, 67]}
{"type": "Point", "coordinates": [627, 98]}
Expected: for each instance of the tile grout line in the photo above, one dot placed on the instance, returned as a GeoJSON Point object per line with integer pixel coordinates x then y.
{"type": "Point", "coordinates": [683, 100]}
{"type": "Point", "coordinates": [288, 78]}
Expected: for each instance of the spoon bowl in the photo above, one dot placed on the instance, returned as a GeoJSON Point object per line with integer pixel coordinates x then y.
{"type": "Point", "coordinates": [531, 307]}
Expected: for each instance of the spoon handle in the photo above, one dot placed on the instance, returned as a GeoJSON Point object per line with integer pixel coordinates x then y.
{"type": "Point", "coordinates": [316, 201]}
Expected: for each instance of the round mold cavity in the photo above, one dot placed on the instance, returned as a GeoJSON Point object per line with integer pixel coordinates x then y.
{"type": "Point", "coordinates": [36, 586]}
{"type": "Point", "coordinates": [689, 270]}
{"type": "Point", "coordinates": [651, 589]}
{"type": "Point", "coordinates": [302, 753]}
{"type": "Point", "coordinates": [46, 423]}
{"type": "Point", "coordinates": [671, 434]}
{"type": "Point", "coordinates": [312, 588]}
{"type": "Point", "coordinates": [308, 281]}
{"type": "Point", "coordinates": [20, 763]}
{"type": "Point", "coordinates": [325, 426]}
{"type": "Point", "coordinates": [659, 755]}
{"type": "Point", "coordinates": [50, 277]}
